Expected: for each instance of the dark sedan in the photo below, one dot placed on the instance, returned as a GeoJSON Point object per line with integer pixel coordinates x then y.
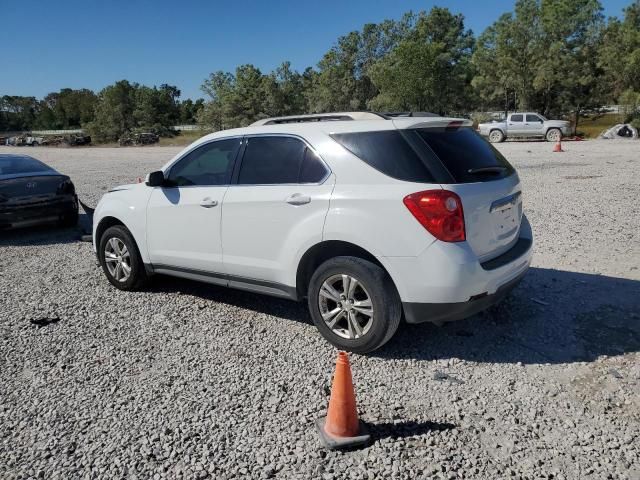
{"type": "Point", "coordinates": [32, 193]}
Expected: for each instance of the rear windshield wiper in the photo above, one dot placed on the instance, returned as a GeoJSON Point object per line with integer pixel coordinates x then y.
{"type": "Point", "coordinates": [495, 169]}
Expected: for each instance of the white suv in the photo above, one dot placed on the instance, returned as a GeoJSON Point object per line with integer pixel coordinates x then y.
{"type": "Point", "coordinates": [368, 216]}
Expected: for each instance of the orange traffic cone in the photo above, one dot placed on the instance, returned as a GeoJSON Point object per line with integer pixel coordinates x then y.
{"type": "Point", "coordinates": [341, 427]}
{"type": "Point", "coordinates": [558, 146]}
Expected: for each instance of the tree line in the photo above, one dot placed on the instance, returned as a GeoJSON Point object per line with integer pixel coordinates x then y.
{"type": "Point", "coordinates": [556, 57]}
{"type": "Point", "coordinates": [115, 110]}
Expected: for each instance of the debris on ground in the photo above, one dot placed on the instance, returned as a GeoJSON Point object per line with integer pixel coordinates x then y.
{"type": "Point", "coordinates": [620, 131]}
{"type": "Point", "coordinates": [135, 139]}
{"type": "Point", "coordinates": [44, 321]}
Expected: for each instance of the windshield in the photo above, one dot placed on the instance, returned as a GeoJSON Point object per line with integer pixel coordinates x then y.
{"type": "Point", "coordinates": [15, 164]}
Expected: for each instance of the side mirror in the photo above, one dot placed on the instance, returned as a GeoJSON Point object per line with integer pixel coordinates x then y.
{"type": "Point", "coordinates": [156, 179]}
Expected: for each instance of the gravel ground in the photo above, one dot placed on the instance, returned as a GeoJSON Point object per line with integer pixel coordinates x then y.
{"type": "Point", "coordinates": [186, 380]}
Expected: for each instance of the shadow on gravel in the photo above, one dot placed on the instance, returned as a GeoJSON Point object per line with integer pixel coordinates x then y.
{"type": "Point", "coordinates": [406, 428]}
{"type": "Point", "coordinates": [46, 234]}
{"type": "Point", "coordinates": [553, 316]}
{"type": "Point", "coordinates": [285, 309]}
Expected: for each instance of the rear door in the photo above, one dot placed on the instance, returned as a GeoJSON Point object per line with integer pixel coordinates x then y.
{"type": "Point", "coordinates": [277, 202]}
{"type": "Point", "coordinates": [515, 124]}
{"type": "Point", "coordinates": [486, 183]}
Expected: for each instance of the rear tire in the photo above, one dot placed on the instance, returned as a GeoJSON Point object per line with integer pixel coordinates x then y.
{"type": "Point", "coordinates": [120, 259]}
{"type": "Point", "coordinates": [496, 136]}
{"type": "Point", "coordinates": [358, 317]}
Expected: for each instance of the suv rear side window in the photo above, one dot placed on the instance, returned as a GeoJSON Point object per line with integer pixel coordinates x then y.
{"type": "Point", "coordinates": [516, 118]}
{"type": "Point", "coordinates": [465, 154]}
{"type": "Point", "coordinates": [279, 160]}
{"type": "Point", "coordinates": [388, 152]}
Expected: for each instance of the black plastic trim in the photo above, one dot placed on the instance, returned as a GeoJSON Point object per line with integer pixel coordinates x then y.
{"type": "Point", "coordinates": [233, 281]}
{"type": "Point", "coordinates": [448, 312]}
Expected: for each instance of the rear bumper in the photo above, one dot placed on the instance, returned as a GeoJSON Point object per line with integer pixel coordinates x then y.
{"type": "Point", "coordinates": [448, 282]}
{"type": "Point", "coordinates": [449, 312]}
{"type": "Point", "coordinates": [35, 213]}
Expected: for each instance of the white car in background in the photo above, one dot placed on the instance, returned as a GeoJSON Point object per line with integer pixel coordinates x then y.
{"type": "Point", "coordinates": [369, 217]}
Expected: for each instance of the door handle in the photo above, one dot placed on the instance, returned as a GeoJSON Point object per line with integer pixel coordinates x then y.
{"type": "Point", "coordinates": [298, 199]}
{"type": "Point", "coordinates": [208, 202]}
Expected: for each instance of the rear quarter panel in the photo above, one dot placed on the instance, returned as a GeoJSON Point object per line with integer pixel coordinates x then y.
{"type": "Point", "coordinates": [367, 208]}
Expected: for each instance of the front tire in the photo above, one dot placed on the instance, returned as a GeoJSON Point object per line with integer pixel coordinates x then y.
{"type": "Point", "coordinates": [354, 304]}
{"type": "Point", "coordinates": [553, 135]}
{"type": "Point", "coordinates": [120, 259]}
{"type": "Point", "coordinates": [496, 136]}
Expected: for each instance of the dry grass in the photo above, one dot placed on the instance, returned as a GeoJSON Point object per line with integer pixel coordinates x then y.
{"type": "Point", "coordinates": [593, 125]}
{"type": "Point", "coordinates": [184, 138]}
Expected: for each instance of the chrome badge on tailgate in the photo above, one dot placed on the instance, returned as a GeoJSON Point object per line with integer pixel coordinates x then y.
{"type": "Point", "coordinates": [506, 214]}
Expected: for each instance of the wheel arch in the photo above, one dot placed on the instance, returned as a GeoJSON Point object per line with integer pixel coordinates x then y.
{"type": "Point", "coordinates": [325, 250]}
{"type": "Point", "coordinates": [106, 222]}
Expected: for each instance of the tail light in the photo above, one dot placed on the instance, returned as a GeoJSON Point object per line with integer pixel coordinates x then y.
{"type": "Point", "coordinates": [66, 188]}
{"type": "Point", "coordinates": [440, 212]}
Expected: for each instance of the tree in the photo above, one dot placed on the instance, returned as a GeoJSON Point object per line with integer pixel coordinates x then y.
{"type": "Point", "coordinates": [67, 109]}
{"type": "Point", "coordinates": [189, 110]}
{"type": "Point", "coordinates": [19, 113]}
{"type": "Point", "coordinates": [429, 69]}
{"type": "Point", "coordinates": [218, 87]}
{"type": "Point", "coordinates": [343, 80]}
{"type": "Point", "coordinates": [114, 111]}
{"type": "Point", "coordinates": [567, 75]}
{"type": "Point", "coordinates": [506, 58]}
{"type": "Point", "coordinates": [619, 53]}
{"type": "Point", "coordinates": [544, 55]}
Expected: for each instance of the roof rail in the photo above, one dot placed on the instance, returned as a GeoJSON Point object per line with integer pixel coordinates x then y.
{"type": "Point", "coordinates": [321, 117]}
{"type": "Point", "coordinates": [410, 114]}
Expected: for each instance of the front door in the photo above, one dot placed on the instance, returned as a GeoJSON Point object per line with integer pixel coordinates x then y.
{"type": "Point", "coordinates": [277, 206]}
{"type": "Point", "coordinates": [533, 124]}
{"type": "Point", "coordinates": [183, 217]}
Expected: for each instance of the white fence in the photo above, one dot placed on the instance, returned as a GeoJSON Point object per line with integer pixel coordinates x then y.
{"type": "Point", "coordinates": [182, 128]}
{"type": "Point", "coordinates": [57, 132]}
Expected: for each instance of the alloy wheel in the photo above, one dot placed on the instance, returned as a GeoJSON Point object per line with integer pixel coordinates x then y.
{"type": "Point", "coordinates": [117, 259]}
{"type": "Point", "coordinates": [345, 306]}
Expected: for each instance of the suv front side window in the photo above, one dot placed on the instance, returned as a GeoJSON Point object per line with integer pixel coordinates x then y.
{"type": "Point", "coordinates": [208, 165]}
{"type": "Point", "coordinates": [534, 119]}
{"type": "Point", "coordinates": [279, 160]}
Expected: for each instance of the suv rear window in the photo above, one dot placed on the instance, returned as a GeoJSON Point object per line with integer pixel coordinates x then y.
{"type": "Point", "coordinates": [419, 155]}
{"type": "Point", "coordinates": [466, 155]}
{"type": "Point", "coordinates": [388, 152]}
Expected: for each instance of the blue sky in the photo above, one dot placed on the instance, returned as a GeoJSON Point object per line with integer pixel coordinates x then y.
{"type": "Point", "coordinates": [45, 45]}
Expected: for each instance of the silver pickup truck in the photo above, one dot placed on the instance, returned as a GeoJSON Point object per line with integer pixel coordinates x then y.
{"type": "Point", "coordinates": [526, 124]}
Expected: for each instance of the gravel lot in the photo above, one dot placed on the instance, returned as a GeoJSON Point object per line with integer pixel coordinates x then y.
{"type": "Point", "coordinates": [193, 381]}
